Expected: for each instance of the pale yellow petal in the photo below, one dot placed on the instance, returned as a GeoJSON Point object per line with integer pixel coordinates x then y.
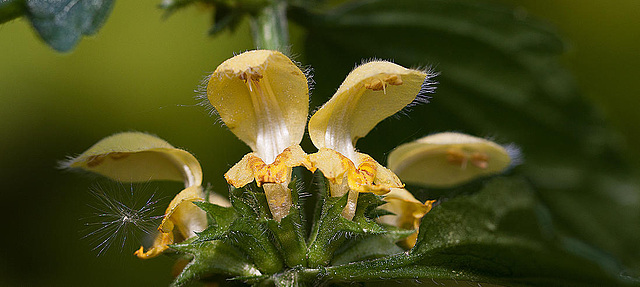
{"type": "Point", "coordinates": [448, 159]}
{"type": "Point", "coordinates": [138, 157]}
{"type": "Point", "coordinates": [263, 98]}
{"type": "Point", "coordinates": [369, 94]}
{"type": "Point", "coordinates": [251, 167]}
{"type": "Point", "coordinates": [181, 221]}
{"type": "Point", "coordinates": [330, 163]}
{"type": "Point", "coordinates": [160, 244]}
{"type": "Point", "coordinates": [241, 173]}
{"type": "Point", "coordinates": [368, 176]}
{"type": "Point", "coordinates": [408, 212]}
{"type": "Point", "coordinates": [279, 199]}
{"type": "Point", "coordinates": [218, 199]}
{"type": "Point", "coordinates": [184, 215]}
{"type": "Point", "coordinates": [384, 179]}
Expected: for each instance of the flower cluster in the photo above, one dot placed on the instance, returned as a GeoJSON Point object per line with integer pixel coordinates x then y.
{"type": "Point", "coordinates": [263, 98]}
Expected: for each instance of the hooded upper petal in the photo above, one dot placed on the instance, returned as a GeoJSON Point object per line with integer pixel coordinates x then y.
{"type": "Point", "coordinates": [369, 94]}
{"type": "Point", "coordinates": [138, 157]}
{"type": "Point", "coordinates": [263, 98]}
{"type": "Point", "coordinates": [448, 159]}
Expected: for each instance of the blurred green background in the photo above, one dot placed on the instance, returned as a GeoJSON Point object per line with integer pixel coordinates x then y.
{"type": "Point", "coordinates": [140, 72]}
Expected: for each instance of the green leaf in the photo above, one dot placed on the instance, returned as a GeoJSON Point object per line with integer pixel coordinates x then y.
{"type": "Point", "coordinates": [225, 18]}
{"type": "Point", "coordinates": [213, 257]}
{"type": "Point", "coordinates": [498, 234]}
{"type": "Point", "coordinates": [11, 9]}
{"type": "Point", "coordinates": [374, 246]}
{"type": "Point", "coordinates": [171, 6]}
{"type": "Point", "coordinates": [61, 24]}
{"type": "Point", "coordinates": [499, 77]}
{"type": "Point", "coordinates": [494, 236]}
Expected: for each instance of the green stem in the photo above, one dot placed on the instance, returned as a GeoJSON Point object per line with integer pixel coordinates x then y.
{"type": "Point", "coordinates": [269, 27]}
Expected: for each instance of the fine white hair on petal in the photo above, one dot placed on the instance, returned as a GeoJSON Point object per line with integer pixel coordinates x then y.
{"type": "Point", "coordinates": [423, 97]}
{"type": "Point", "coordinates": [308, 72]}
{"type": "Point", "coordinates": [515, 154]}
{"type": "Point", "coordinates": [513, 150]}
{"type": "Point", "coordinates": [203, 100]}
{"type": "Point", "coordinates": [428, 87]}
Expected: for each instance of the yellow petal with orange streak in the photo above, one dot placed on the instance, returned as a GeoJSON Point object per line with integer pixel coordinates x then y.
{"type": "Point", "coordinates": [138, 157]}
{"type": "Point", "coordinates": [449, 159]}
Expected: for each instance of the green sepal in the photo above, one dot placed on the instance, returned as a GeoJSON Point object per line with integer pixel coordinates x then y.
{"type": "Point", "coordinates": [213, 257]}
{"type": "Point", "coordinates": [220, 219]}
{"type": "Point", "coordinates": [244, 225]}
{"type": "Point", "coordinates": [366, 208]}
{"type": "Point", "coordinates": [249, 231]}
{"type": "Point", "coordinates": [290, 231]}
{"type": "Point", "coordinates": [251, 236]}
{"type": "Point", "coordinates": [222, 216]}
{"type": "Point", "coordinates": [249, 204]}
{"type": "Point", "coordinates": [333, 229]}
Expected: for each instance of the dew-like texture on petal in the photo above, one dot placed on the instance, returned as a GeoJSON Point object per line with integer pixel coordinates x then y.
{"type": "Point", "coordinates": [181, 221]}
{"type": "Point", "coordinates": [263, 98]}
{"type": "Point", "coordinates": [138, 157]}
{"type": "Point", "coordinates": [447, 159]}
{"type": "Point", "coordinates": [408, 211]}
{"type": "Point", "coordinates": [369, 94]}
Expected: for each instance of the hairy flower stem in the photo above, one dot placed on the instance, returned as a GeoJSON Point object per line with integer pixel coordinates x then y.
{"type": "Point", "coordinates": [269, 27]}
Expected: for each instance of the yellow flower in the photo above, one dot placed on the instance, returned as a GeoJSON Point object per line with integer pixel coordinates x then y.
{"type": "Point", "coordinates": [140, 157]}
{"type": "Point", "coordinates": [369, 94]}
{"type": "Point", "coordinates": [449, 159]}
{"type": "Point", "coordinates": [263, 98]}
{"type": "Point", "coordinates": [408, 211]}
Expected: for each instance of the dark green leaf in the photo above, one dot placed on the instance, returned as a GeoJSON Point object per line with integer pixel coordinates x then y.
{"type": "Point", "coordinates": [61, 24]}
{"type": "Point", "coordinates": [213, 257]}
{"type": "Point", "coordinates": [11, 9]}
{"type": "Point", "coordinates": [369, 247]}
{"type": "Point", "coordinates": [225, 18]}
{"type": "Point", "coordinates": [500, 77]}
{"type": "Point", "coordinates": [493, 236]}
